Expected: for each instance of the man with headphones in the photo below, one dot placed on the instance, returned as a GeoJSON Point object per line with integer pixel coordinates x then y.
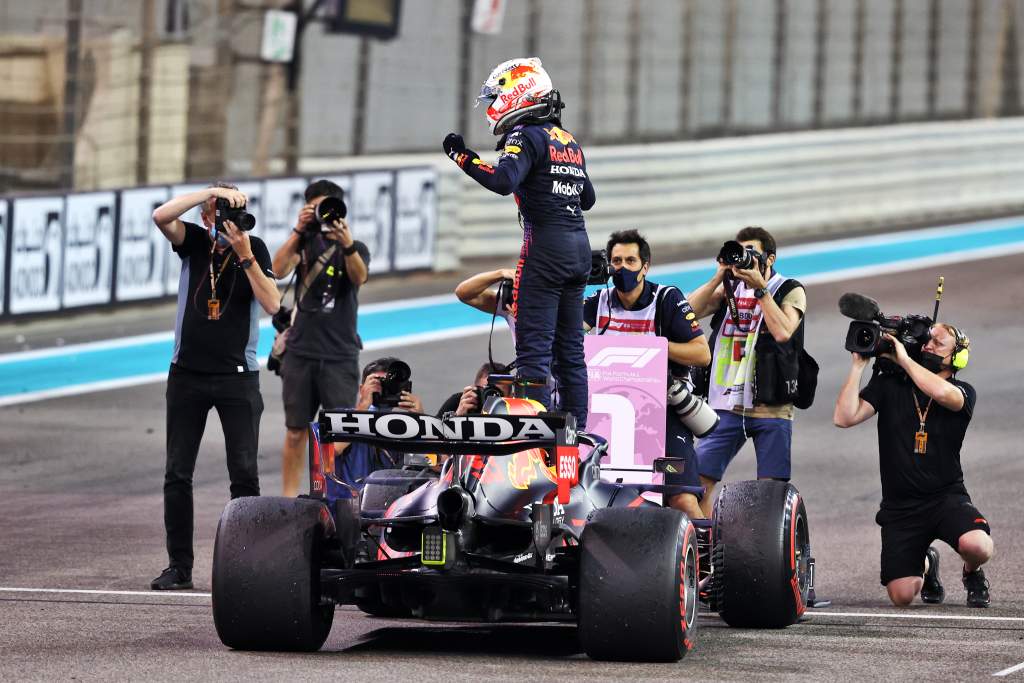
{"type": "Point", "coordinates": [921, 427]}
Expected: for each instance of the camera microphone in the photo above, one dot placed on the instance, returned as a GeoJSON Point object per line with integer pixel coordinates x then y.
{"type": "Point", "coordinates": [859, 307]}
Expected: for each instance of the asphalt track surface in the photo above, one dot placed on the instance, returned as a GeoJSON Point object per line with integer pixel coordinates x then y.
{"type": "Point", "coordinates": [81, 508]}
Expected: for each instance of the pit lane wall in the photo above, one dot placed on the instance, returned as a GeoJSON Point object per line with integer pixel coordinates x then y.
{"type": "Point", "coordinates": [794, 184]}
{"type": "Point", "coordinates": [421, 212]}
{"type": "Point", "coordinates": [63, 252]}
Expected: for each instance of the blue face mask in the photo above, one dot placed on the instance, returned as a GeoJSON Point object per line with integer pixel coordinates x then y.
{"type": "Point", "coordinates": [222, 240]}
{"type": "Point", "coordinates": [625, 280]}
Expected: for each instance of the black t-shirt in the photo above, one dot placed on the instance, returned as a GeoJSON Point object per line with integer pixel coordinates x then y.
{"type": "Point", "coordinates": [227, 345]}
{"type": "Point", "coordinates": [678, 321]}
{"type": "Point", "coordinates": [325, 326]}
{"type": "Point", "coordinates": [907, 477]}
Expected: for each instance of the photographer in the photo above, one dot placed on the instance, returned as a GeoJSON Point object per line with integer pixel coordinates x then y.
{"type": "Point", "coordinates": [921, 427]}
{"type": "Point", "coordinates": [758, 320]}
{"type": "Point", "coordinates": [479, 292]}
{"type": "Point", "coordinates": [467, 401]}
{"type": "Point", "coordinates": [355, 461]}
{"type": "Point", "coordinates": [224, 274]}
{"type": "Point", "coordinates": [638, 306]}
{"type": "Point", "coordinates": [321, 365]}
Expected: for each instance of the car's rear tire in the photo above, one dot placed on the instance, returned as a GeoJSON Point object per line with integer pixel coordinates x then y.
{"type": "Point", "coordinates": [761, 549]}
{"type": "Point", "coordinates": [638, 585]}
{"type": "Point", "coordinates": [266, 575]}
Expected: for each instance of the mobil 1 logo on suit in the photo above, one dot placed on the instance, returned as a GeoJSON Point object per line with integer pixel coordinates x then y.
{"type": "Point", "coordinates": [142, 249]}
{"type": "Point", "coordinates": [88, 248]}
{"type": "Point", "coordinates": [36, 251]}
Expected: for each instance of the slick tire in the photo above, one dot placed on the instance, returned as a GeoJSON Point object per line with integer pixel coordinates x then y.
{"type": "Point", "coordinates": [376, 498]}
{"type": "Point", "coordinates": [638, 585]}
{"type": "Point", "coordinates": [266, 575]}
{"type": "Point", "coordinates": [760, 556]}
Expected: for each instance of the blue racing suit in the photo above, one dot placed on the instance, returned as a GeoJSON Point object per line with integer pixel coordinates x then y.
{"type": "Point", "coordinates": [543, 167]}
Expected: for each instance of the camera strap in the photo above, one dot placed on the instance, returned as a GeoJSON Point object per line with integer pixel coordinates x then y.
{"type": "Point", "coordinates": [213, 307]}
{"type": "Point", "coordinates": [730, 298]}
{"type": "Point", "coordinates": [314, 272]}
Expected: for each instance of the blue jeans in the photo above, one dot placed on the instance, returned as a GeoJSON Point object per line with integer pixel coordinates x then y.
{"type": "Point", "coordinates": [773, 438]}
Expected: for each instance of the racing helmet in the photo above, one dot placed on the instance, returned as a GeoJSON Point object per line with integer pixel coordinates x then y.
{"type": "Point", "coordinates": [516, 90]}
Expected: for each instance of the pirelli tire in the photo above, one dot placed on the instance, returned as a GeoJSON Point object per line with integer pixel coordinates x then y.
{"type": "Point", "coordinates": [637, 595]}
{"type": "Point", "coordinates": [266, 574]}
{"type": "Point", "coordinates": [761, 554]}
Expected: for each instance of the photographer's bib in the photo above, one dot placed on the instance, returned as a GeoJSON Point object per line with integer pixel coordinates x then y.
{"type": "Point", "coordinates": [732, 358]}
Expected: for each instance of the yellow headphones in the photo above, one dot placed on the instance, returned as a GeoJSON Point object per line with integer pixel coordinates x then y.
{"type": "Point", "coordinates": [961, 349]}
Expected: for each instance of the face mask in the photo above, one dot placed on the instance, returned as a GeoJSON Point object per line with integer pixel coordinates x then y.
{"type": "Point", "coordinates": [931, 362]}
{"type": "Point", "coordinates": [625, 280]}
{"type": "Point", "coordinates": [222, 240]}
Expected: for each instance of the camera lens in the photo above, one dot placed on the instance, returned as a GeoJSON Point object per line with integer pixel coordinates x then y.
{"type": "Point", "coordinates": [245, 221]}
{"type": "Point", "coordinates": [865, 338]}
{"type": "Point", "coordinates": [735, 254]}
{"type": "Point", "coordinates": [330, 209]}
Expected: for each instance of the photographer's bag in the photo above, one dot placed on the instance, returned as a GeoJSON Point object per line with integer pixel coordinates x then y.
{"type": "Point", "coordinates": [280, 346]}
{"type": "Point", "coordinates": [784, 373]}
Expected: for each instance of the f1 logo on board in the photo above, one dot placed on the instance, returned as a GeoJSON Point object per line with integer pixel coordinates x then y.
{"type": "Point", "coordinates": [623, 355]}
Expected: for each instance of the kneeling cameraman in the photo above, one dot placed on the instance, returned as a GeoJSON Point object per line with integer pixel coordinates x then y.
{"type": "Point", "coordinates": [921, 426]}
{"type": "Point", "coordinates": [355, 461]}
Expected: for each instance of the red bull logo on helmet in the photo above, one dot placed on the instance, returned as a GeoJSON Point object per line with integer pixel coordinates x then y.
{"type": "Point", "coordinates": [517, 91]}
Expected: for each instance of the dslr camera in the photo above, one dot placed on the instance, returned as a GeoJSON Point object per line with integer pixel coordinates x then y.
{"type": "Point", "coordinates": [325, 213]}
{"type": "Point", "coordinates": [869, 324]}
{"type": "Point", "coordinates": [484, 394]}
{"type": "Point", "coordinates": [735, 254]}
{"type": "Point", "coordinates": [395, 381]}
{"type": "Point", "coordinates": [237, 215]}
{"type": "Point", "coordinates": [600, 271]}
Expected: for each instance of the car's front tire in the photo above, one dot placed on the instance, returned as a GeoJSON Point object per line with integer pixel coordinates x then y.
{"type": "Point", "coordinates": [638, 585]}
{"type": "Point", "coordinates": [266, 575]}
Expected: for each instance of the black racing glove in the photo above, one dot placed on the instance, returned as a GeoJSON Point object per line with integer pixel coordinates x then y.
{"type": "Point", "coordinates": [455, 148]}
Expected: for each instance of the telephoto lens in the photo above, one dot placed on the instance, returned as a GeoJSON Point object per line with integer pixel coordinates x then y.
{"type": "Point", "coordinates": [735, 254]}
{"type": "Point", "coordinates": [692, 410]}
{"type": "Point", "coordinates": [329, 210]}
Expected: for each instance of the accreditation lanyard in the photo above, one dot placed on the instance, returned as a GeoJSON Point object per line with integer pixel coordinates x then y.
{"type": "Point", "coordinates": [213, 311]}
{"type": "Point", "coordinates": [921, 437]}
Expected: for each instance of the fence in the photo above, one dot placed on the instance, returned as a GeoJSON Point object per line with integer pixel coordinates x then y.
{"type": "Point", "coordinates": [100, 94]}
{"type": "Point", "coordinates": [85, 249]}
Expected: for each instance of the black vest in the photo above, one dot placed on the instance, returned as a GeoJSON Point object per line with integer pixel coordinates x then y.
{"type": "Point", "coordinates": [783, 372]}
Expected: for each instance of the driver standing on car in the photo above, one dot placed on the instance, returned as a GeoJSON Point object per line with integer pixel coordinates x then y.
{"type": "Point", "coordinates": [923, 415]}
{"type": "Point", "coordinates": [638, 306]}
{"type": "Point", "coordinates": [543, 166]}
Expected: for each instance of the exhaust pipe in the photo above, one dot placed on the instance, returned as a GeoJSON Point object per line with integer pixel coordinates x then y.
{"type": "Point", "coordinates": [454, 506]}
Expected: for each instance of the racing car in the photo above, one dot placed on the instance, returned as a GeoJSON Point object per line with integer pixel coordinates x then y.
{"type": "Point", "coordinates": [514, 524]}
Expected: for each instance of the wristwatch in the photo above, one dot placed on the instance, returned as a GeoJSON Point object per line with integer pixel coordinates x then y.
{"type": "Point", "coordinates": [246, 262]}
{"type": "Point", "coordinates": [349, 250]}
{"type": "Point", "coordinates": [760, 292]}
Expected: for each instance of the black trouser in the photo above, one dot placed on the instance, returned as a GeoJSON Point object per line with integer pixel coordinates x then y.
{"type": "Point", "coordinates": [189, 399]}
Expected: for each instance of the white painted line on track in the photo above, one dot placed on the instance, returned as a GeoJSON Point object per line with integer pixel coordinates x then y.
{"type": "Point", "coordinates": [83, 591]}
{"type": "Point", "coordinates": [1012, 669]}
{"type": "Point", "coordinates": [890, 615]}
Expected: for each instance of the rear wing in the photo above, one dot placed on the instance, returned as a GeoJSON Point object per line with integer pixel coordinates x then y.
{"type": "Point", "coordinates": [481, 435]}
{"type": "Point", "coordinates": [457, 435]}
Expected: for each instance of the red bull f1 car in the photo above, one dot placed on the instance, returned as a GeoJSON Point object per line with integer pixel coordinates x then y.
{"type": "Point", "coordinates": [515, 525]}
